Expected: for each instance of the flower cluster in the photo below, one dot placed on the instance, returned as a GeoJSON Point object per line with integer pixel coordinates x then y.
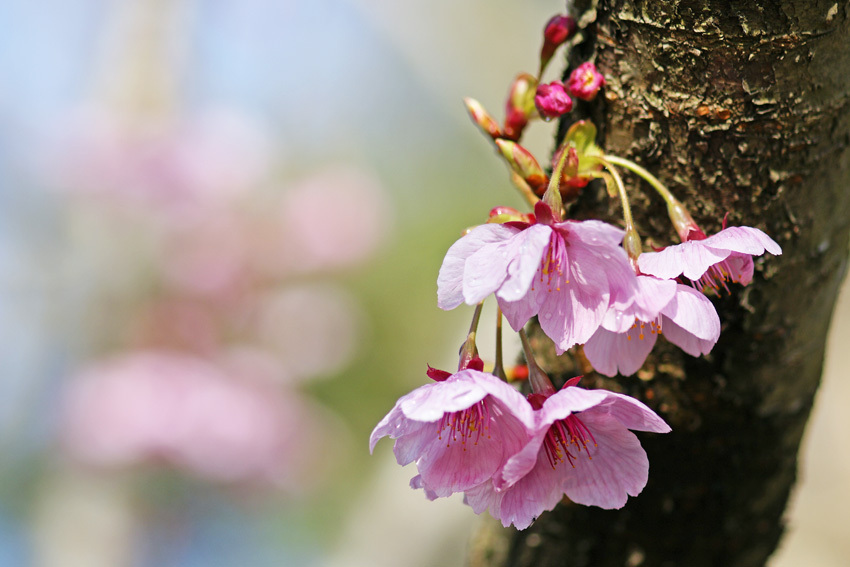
{"type": "Point", "coordinates": [591, 287]}
{"type": "Point", "coordinates": [473, 433]}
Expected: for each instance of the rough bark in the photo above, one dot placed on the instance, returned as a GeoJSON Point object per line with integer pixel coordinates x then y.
{"type": "Point", "coordinates": [740, 107]}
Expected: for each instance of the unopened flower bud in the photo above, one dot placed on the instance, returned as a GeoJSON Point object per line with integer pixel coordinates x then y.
{"type": "Point", "coordinates": [523, 163]}
{"type": "Point", "coordinates": [520, 105]}
{"type": "Point", "coordinates": [482, 119]}
{"type": "Point", "coordinates": [552, 100]}
{"type": "Point", "coordinates": [585, 81]}
{"type": "Point", "coordinates": [570, 179]}
{"type": "Point", "coordinates": [558, 30]}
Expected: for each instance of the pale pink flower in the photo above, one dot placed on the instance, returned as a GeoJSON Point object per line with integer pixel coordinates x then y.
{"type": "Point", "coordinates": [711, 261]}
{"type": "Point", "coordinates": [334, 219]}
{"type": "Point", "coordinates": [459, 430]}
{"type": "Point", "coordinates": [581, 448]}
{"type": "Point", "coordinates": [627, 335]}
{"type": "Point", "coordinates": [585, 81]}
{"type": "Point", "coordinates": [567, 273]}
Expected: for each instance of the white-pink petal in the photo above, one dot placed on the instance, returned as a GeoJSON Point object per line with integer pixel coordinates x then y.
{"type": "Point", "coordinates": [743, 239]}
{"type": "Point", "coordinates": [450, 279]}
{"type": "Point", "coordinates": [619, 467]}
{"type": "Point", "coordinates": [610, 352]}
{"type": "Point", "coordinates": [507, 267]}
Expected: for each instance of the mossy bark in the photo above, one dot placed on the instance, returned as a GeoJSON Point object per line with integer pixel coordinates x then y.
{"type": "Point", "coordinates": [740, 107]}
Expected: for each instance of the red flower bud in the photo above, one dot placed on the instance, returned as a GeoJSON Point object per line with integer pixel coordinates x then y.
{"type": "Point", "coordinates": [520, 105]}
{"type": "Point", "coordinates": [558, 30]}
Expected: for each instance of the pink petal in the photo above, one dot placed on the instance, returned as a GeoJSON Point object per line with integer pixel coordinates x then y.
{"type": "Point", "coordinates": [528, 249]}
{"type": "Point", "coordinates": [741, 267]}
{"type": "Point", "coordinates": [631, 413]}
{"type": "Point", "coordinates": [618, 469]}
{"type": "Point", "coordinates": [538, 491]}
{"type": "Point", "coordinates": [694, 313]}
{"type": "Point", "coordinates": [450, 279]}
{"type": "Point", "coordinates": [519, 312]}
{"type": "Point", "coordinates": [652, 295]}
{"type": "Point", "coordinates": [594, 232]}
{"type": "Point", "coordinates": [743, 239]}
{"type": "Point", "coordinates": [625, 353]}
{"type": "Point", "coordinates": [571, 316]}
{"type": "Point", "coordinates": [429, 402]}
{"type": "Point", "coordinates": [416, 483]}
{"type": "Point", "coordinates": [691, 258]}
{"type": "Point", "coordinates": [569, 400]}
{"type": "Point", "coordinates": [520, 464]}
{"type": "Point", "coordinates": [516, 259]}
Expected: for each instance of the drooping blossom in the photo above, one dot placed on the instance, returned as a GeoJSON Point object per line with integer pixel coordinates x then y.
{"type": "Point", "coordinates": [581, 448]}
{"type": "Point", "coordinates": [566, 272]}
{"type": "Point", "coordinates": [627, 334]}
{"type": "Point", "coordinates": [552, 100]}
{"type": "Point", "coordinates": [459, 429]}
{"type": "Point", "coordinates": [585, 81]}
{"type": "Point", "coordinates": [711, 261]}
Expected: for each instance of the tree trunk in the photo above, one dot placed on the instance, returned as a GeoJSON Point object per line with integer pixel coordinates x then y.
{"type": "Point", "coordinates": [740, 107]}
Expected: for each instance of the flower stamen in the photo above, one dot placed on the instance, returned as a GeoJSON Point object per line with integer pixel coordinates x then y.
{"type": "Point", "coordinates": [564, 435]}
{"type": "Point", "coordinates": [467, 424]}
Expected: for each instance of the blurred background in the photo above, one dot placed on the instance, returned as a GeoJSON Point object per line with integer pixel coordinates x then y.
{"type": "Point", "coordinates": [220, 229]}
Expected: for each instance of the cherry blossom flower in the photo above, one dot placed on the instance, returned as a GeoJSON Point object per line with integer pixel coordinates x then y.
{"type": "Point", "coordinates": [581, 448]}
{"type": "Point", "coordinates": [567, 273]}
{"type": "Point", "coordinates": [459, 430]}
{"type": "Point", "coordinates": [585, 81]}
{"type": "Point", "coordinates": [709, 261]}
{"type": "Point", "coordinates": [627, 335]}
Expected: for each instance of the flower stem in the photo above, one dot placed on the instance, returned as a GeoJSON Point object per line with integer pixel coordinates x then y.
{"type": "Point", "coordinates": [499, 368]}
{"type": "Point", "coordinates": [679, 215]}
{"type": "Point", "coordinates": [647, 176]}
{"type": "Point", "coordinates": [540, 383]}
{"type": "Point", "coordinates": [621, 189]}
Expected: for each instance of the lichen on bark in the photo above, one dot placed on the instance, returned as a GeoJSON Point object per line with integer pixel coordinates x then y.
{"type": "Point", "coordinates": [740, 108]}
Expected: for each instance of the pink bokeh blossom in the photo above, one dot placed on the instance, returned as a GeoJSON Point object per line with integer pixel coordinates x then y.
{"type": "Point", "coordinates": [161, 407]}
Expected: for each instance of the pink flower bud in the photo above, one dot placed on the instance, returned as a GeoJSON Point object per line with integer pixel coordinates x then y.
{"type": "Point", "coordinates": [585, 81]}
{"type": "Point", "coordinates": [552, 100]}
{"type": "Point", "coordinates": [558, 30]}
